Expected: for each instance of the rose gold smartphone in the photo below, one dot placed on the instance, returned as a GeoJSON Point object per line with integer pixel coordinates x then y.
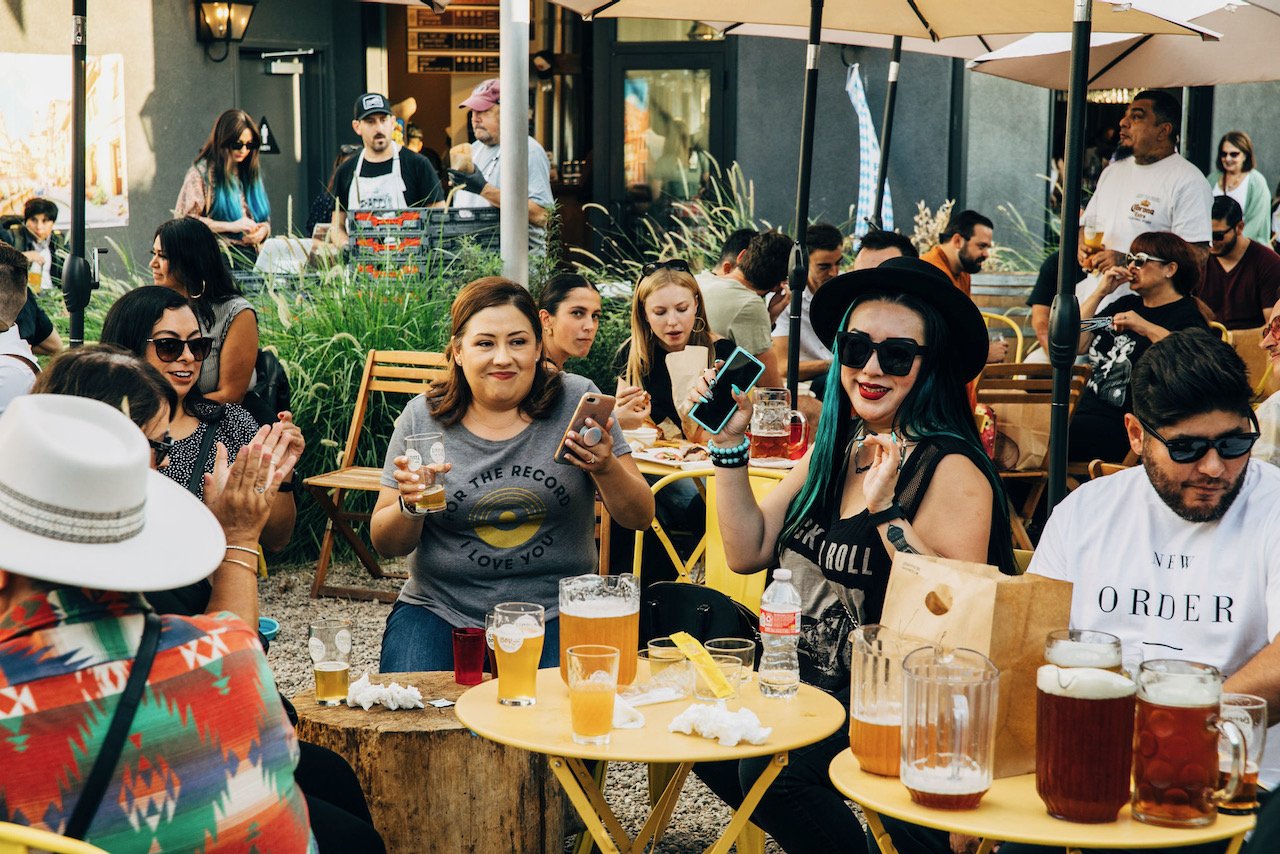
{"type": "Point", "coordinates": [594, 405]}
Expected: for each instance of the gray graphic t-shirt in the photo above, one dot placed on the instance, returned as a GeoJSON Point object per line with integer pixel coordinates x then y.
{"type": "Point", "coordinates": [515, 522]}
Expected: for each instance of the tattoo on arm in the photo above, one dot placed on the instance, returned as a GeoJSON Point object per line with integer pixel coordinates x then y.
{"type": "Point", "coordinates": [898, 539]}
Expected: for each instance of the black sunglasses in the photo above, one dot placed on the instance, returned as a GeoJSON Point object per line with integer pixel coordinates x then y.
{"type": "Point", "coordinates": [237, 145]}
{"type": "Point", "coordinates": [170, 349]}
{"type": "Point", "coordinates": [1218, 235]}
{"type": "Point", "coordinates": [1231, 154]}
{"type": "Point", "coordinates": [896, 355]}
{"type": "Point", "coordinates": [161, 448]}
{"type": "Point", "coordinates": [677, 264]}
{"type": "Point", "coordinates": [1189, 449]}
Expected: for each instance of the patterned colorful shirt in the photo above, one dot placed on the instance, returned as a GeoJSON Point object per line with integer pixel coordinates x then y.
{"type": "Point", "coordinates": [208, 764]}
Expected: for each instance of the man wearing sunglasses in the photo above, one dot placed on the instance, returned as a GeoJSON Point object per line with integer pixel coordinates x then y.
{"type": "Point", "coordinates": [1180, 557]}
{"type": "Point", "coordinates": [1241, 276]}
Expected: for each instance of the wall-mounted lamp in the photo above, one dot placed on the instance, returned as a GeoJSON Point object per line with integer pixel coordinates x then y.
{"type": "Point", "coordinates": [222, 22]}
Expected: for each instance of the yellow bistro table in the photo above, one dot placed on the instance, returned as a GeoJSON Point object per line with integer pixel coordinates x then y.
{"type": "Point", "coordinates": [1011, 811]}
{"type": "Point", "coordinates": [544, 728]}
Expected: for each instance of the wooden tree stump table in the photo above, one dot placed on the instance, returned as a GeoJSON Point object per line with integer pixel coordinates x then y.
{"type": "Point", "coordinates": [431, 784]}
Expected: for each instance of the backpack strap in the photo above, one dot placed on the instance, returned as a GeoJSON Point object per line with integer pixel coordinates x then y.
{"type": "Point", "coordinates": [104, 767]}
{"type": "Point", "coordinates": [206, 448]}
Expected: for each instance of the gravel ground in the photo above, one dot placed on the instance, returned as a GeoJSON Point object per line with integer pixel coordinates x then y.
{"type": "Point", "coordinates": [699, 816]}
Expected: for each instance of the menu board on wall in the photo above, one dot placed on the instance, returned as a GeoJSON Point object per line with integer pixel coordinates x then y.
{"type": "Point", "coordinates": [461, 39]}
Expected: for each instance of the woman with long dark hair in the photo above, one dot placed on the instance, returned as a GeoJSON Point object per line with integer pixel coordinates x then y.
{"type": "Point", "coordinates": [1163, 271]}
{"type": "Point", "coordinates": [569, 307]}
{"type": "Point", "coordinates": [185, 258]}
{"type": "Point", "coordinates": [223, 188]}
{"type": "Point", "coordinates": [896, 466]}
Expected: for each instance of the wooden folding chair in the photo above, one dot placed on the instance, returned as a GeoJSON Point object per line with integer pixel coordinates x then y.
{"type": "Point", "coordinates": [1101, 468]}
{"type": "Point", "coordinates": [1026, 384]}
{"type": "Point", "coordinates": [404, 372]}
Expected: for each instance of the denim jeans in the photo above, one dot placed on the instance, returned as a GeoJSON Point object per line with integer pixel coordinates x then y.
{"type": "Point", "coordinates": [802, 810]}
{"type": "Point", "coordinates": [417, 639]}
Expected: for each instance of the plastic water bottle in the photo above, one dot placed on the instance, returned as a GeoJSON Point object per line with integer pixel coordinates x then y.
{"type": "Point", "coordinates": [780, 632]}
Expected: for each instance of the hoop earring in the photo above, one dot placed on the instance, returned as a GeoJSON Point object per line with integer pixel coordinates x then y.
{"type": "Point", "coordinates": [203, 287]}
{"type": "Point", "coordinates": [699, 329]}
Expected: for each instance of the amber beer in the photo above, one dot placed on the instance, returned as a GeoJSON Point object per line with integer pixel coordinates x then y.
{"type": "Point", "coordinates": [1246, 799]}
{"type": "Point", "coordinates": [769, 445]}
{"type": "Point", "coordinates": [956, 787]}
{"type": "Point", "coordinates": [1175, 759]}
{"type": "Point", "coordinates": [604, 622]}
{"type": "Point", "coordinates": [517, 649]}
{"type": "Point", "coordinates": [432, 500]}
{"type": "Point", "coordinates": [331, 683]}
{"type": "Point", "coordinates": [1084, 742]}
{"type": "Point", "coordinates": [877, 743]}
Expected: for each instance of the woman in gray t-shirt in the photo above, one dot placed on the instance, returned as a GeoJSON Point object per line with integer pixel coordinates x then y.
{"type": "Point", "coordinates": [515, 522]}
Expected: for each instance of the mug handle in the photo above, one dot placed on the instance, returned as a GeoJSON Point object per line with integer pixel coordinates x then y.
{"type": "Point", "coordinates": [796, 449]}
{"type": "Point", "coordinates": [1231, 730]}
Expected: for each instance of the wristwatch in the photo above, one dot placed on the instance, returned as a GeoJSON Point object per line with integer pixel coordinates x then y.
{"type": "Point", "coordinates": [290, 485]}
{"type": "Point", "coordinates": [410, 511]}
{"type": "Point", "coordinates": [893, 511]}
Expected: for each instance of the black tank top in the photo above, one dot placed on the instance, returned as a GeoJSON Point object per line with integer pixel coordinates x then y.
{"type": "Point", "coordinates": [849, 551]}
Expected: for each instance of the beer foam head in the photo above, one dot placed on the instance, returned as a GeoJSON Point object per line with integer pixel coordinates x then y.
{"type": "Point", "coordinates": [1083, 683]}
{"type": "Point", "coordinates": [1182, 692]}
{"type": "Point", "coordinates": [1069, 653]}
{"type": "Point", "coordinates": [600, 608]}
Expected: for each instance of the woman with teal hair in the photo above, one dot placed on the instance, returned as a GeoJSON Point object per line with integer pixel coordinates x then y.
{"type": "Point", "coordinates": [896, 466]}
{"type": "Point", "coordinates": [223, 188]}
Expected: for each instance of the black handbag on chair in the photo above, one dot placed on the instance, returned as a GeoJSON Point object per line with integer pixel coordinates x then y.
{"type": "Point", "coordinates": [677, 606]}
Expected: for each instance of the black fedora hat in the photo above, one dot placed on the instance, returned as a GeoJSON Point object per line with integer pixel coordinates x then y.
{"type": "Point", "coordinates": [923, 281]}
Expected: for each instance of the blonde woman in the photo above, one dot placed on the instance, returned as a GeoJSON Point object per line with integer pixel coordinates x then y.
{"type": "Point", "coordinates": [667, 315]}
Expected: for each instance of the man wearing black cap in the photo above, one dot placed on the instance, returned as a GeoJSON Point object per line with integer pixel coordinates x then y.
{"type": "Point", "coordinates": [384, 175]}
{"type": "Point", "coordinates": [479, 183]}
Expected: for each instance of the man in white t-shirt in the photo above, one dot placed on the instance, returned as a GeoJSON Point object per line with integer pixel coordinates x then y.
{"type": "Point", "coordinates": [1155, 189]}
{"type": "Point", "coordinates": [1180, 557]}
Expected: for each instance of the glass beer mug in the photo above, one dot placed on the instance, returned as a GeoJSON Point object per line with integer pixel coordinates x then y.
{"type": "Point", "coordinates": [777, 430]}
{"type": "Point", "coordinates": [1175, 761]}
{"type": "Point", "coordinates": [602, 610]}
{"type": "Point", "coordinates": [875, 697]}
{"type": "Point", "coordinates": [948, 726]}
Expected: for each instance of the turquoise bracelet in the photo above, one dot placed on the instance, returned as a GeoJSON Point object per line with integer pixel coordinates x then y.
{"type": "Point", "coordinates": [733, 457]}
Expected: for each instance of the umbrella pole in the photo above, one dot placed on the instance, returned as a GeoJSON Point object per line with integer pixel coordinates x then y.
{"type": "Point", "coordinates": [799, 280]}
{"type": "Point", "coordinates": [891, 96]}
{"type": "Point", "coordinates": [76, 277]}
{"type": "Point", "coordinates": [1064, 318]}
{"type": "Point", "coordinates": [513, 139]}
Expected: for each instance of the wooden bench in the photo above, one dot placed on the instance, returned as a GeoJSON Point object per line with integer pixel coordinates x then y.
{"type": "Point", "coordinates": [404, 372]}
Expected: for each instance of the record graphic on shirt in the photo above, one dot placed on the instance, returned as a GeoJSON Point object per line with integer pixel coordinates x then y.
{"type": "Point", "coordinates": [508, 518]}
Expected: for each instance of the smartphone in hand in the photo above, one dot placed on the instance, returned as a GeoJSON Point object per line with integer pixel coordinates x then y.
{"type": "Point", "coordinates": [741, 369]}
{"type": "Point", "coordinates": [594, 405]}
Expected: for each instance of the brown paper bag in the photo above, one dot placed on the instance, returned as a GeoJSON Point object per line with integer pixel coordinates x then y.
{"type": "Point", "coordinates": [1004, 617]}
{"type": "Point", "coordinates": [1022, 436]}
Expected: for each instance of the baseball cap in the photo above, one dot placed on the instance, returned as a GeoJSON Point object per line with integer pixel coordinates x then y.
{"type": "Point", "coordinates": [484, 96]}
{"type": "Point", "coordinates": [371, 104]}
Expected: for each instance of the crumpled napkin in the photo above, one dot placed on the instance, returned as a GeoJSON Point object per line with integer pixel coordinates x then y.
{"type": "Point", "coordinates": [715, 721]}
{"type": "Point", "coordinates": [625, 715]}
{"type": "Point", "coordinates": [365, 694]}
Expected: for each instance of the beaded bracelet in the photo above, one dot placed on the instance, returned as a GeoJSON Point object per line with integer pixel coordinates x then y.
{"type": "Point", "coordinates": [733, 457]}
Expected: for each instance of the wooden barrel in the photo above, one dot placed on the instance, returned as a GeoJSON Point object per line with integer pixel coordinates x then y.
{"type": "Point", "coordinates": [431, 784]}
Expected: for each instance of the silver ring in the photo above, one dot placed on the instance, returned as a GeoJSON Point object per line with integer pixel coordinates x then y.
{"type": "Point", "coordinates": [260, 489]}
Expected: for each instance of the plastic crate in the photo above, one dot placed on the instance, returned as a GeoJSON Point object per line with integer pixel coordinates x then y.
{"type": "Point", "coordinates": [394, 221]}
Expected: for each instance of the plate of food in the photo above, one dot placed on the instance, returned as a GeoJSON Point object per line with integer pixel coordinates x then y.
{"type": "Point", "coordinates": [685, 456]}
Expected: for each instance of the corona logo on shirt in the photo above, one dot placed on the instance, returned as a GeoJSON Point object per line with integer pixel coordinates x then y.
{"type": "Point", "coordinates": [1142, 210]}
{"type": "Point", "coordinates": [508, 518]}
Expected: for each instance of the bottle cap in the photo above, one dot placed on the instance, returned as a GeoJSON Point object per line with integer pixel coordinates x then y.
{"type": "Point", "coordinates": [782, 575]}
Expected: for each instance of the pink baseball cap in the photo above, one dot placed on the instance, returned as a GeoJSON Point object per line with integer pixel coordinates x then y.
{"type": "Point", "coordinates": [484, 96]}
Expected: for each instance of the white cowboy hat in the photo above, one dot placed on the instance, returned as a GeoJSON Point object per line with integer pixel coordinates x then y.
{"type": "Point", "coordinates": [79, 505]}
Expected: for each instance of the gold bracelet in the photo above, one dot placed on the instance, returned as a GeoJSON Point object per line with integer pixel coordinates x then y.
{"type": "Point", "coordinates": [252, 569]}
{"type": "Point", "coordinates": [243, 549]}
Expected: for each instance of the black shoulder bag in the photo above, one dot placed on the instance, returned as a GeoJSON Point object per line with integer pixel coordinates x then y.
{"type": "Point", "coordinates": [104, 767]}
{"type": "Point", "coordinates": [206, 448]}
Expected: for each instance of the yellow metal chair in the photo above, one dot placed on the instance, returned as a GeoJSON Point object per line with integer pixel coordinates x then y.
{"type": "Point", "coordinates": [1001, 320]}
{"type": "Point", "coordinates": [20, 839]}
{"type": "Point", "coordinates": [1223, 332]}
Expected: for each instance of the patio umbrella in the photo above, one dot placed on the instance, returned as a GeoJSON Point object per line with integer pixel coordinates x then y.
{"type": "Point", "coordinates": [933, 20]}
{"type": "Point", "coordinates": [957, 47]}
{"type": "Point", "coordinates": [1245, 54]}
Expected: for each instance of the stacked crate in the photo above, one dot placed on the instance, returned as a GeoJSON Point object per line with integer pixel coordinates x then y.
{"type": "Point", "coordinates": [396, 243]}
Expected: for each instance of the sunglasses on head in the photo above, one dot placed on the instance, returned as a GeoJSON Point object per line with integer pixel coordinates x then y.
{"type": "Point", "coordinates": [161, 448]}
{"type": "Point", "coordinates": [249, 146]}
{"type": "Point", "coordinates": [896, 355]}
{"type": "Point", "coordinates": [677, 264]}
{"type": "Point", "coordinates": [170, 349]}
{"type": "Point", "coordinates": [1137, 259]}
{"type": "Point", "coordinates": [1189, 449]}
